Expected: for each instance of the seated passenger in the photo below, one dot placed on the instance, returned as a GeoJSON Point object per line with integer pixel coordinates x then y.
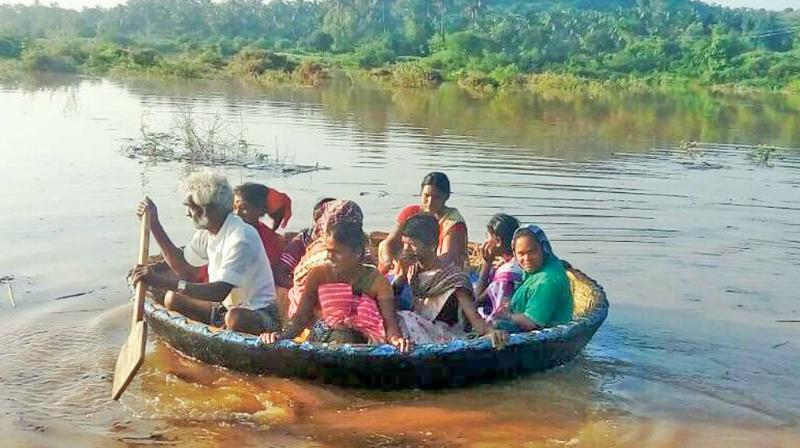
{"type": "Point", "coordinates": [544, 299]}
{"type": "Point", "coordinates": [251, 201]}
{"type": "Point", "coordinates": [240, 294]}
{"type": "Point", "coordinates": [441, 294]}
{"type": "Point", "coordinates": [333, 212]}
{"type": "Point", "coordinates": [296, 248]}
{"type": "Point", "coordinates": [452, 243]}
{"type": "Point", "coordinates": [498, 280]}
{"type": "Point", "coordinates": [344, 300]}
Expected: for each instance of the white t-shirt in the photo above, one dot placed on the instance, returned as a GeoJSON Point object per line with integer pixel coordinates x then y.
{"type": "Point", "coordinates": [235, 255]}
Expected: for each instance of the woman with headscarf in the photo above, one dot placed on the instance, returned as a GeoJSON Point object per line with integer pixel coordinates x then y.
{"type": "Point", "coordinates": [344, 300]}
{"type": "Point", "coordinates": [295, 249]}
{"type": "Point", "coordinates": [544, 299]}
{"type": "Point", "coordinates": [452, 228]}
{"type": "Point", "coordinates": [333, 213]}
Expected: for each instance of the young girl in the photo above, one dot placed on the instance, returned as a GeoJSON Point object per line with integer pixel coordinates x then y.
{"type": "Point", "coordinates": [344, 300]}
{"type": "Point", "coordinates": [498, 280]}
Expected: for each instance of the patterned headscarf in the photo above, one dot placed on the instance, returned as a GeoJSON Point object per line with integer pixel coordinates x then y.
{"type": "Point", "coordinates": [333, 212]}
{"type": "Point", "coordinates": [540, 236]}
{"type": "Point", "coordinates": [337, 212]}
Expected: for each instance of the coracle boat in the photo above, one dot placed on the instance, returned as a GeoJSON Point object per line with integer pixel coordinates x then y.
{"type": "Point", "coordinates": [455, 364]}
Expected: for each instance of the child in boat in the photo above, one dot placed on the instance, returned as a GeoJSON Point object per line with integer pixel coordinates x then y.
{"type": "Point", "coordinates": [452, 229]}
{"type": "Point", "coordinates": [344, 300]}
{"type": "Point", "coordinates": [544, 299]}
{"type": "Point", "coordinates": [498, 279]}
{"type": "Point", "coordinates": [251, 202]}
{"type": "Point", "coordinates": [441, 294]}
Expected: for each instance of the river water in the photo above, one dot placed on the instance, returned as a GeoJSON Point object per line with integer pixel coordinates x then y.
{"type": "Point", "coordinates": [698, 249]}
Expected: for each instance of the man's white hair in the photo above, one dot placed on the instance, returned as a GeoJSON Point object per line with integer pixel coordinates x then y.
{"type": "Point", "coordinates": [209, 189]}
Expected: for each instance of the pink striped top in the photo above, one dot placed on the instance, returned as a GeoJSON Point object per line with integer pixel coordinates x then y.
{"type": "Point", "coordinates": [343, 309]}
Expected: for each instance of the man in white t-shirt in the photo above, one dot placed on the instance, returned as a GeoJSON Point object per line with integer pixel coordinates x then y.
{"type": "Point", "coordinates": [240, 293]}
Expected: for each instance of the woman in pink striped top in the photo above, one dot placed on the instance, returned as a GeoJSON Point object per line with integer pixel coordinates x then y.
{"type": "Point", "coordinates": [344, 300]}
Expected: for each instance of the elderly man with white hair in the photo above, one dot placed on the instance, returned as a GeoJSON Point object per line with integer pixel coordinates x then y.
{"type": "Point", "coordinates": [240, 293]}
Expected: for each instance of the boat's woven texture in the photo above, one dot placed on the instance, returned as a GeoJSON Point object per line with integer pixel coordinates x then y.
{"type": "Point", "coordinates": [428, 366]}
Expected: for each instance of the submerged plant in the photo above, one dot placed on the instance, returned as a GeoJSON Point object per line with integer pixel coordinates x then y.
{"type": "Point", "coordinates": [764, 155]}
{"type": "Point", "coordinates": [691, 148]}
{"type": "Point", "coordinates": [208, 142]}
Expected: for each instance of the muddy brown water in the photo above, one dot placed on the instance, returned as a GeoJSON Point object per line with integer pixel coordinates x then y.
{"type": "Point", "coordinates": [698, 249]}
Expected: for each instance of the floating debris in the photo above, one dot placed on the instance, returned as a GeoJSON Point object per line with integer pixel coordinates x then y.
{"type": "Point", "coordinates": [765, 155]}
{"type": "Point", "coordinates": [11, 294]}
{"type": "Point", "coordinates": [77, 294]}
{"type": "Point", "coordinates": [7, 280]}
{"type": "Point", "coordinates": [702, 165]}
{"type": "Point", "coordinates": [208, 144]}
{"type": "Point", "coordinates": [691, 148]}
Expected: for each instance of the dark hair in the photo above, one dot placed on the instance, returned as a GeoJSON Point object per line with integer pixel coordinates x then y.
{"type": "Point", "coordinates": [438, 180]}
{"type": "Point", "coordinates": [350, 234]}
{"type": "Point", "coordinates": [524, 233]}
{"type": "Point", "coordinates": [423, 227]}
{"type": "Point", "coordinates": [318, 206]}
{"type": "Point", "coordinates": [254, 194]}
{"type": "Point", "coordinates": [504, 227]}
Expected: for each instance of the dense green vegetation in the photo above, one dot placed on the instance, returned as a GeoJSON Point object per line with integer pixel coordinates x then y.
{"type": "Point", "coordinates": [482, 43]}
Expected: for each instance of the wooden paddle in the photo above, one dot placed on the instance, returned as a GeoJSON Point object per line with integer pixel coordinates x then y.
{"type": "Point", "coordinates": [131, 356]}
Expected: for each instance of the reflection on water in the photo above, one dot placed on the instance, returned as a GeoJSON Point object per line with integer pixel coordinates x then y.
{"type": "Point", "coordinates": [698, 247]}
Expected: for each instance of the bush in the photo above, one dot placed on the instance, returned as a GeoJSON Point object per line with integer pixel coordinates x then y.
{"type": "Point", "coordinates": [145, 57]}
{"type": "Point", "coordinates": [252, 62]}
{"type": "Point", "coordinates": [310, 73]}
{"type": "Point", "coordinates": [44, 62]}
{"type": "Point", "coordinates": [182, 67]}
{"type": "Point", "coordinates": [478, 82]}
{"type": "Point", "coordinates": [104, 57]}
{"type": "Point", "coordinates": [374, 54]}
{"type": "Point", "coordinates": [415, 74]}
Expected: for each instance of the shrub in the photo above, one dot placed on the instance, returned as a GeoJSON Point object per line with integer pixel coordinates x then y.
{"type": "Point", "coordinates": [310, 73]}
{"type": "Point", "coordinates": [415, 74]}
{"type": "Point", "coordinates": [102, 58]}
{"type": "Point", "coordinates": [478, 82]}
{"type": "Point", "coordinates": [252, 62]}
{"type": "Point", "coordinates": [44, 62]}
{"type": "Point", "coordinates": [374, 54]}
{"type": "Point", "coordinates": [145, 57]}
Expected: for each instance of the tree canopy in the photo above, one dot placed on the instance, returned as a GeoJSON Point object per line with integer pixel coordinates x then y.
{"type": "Point", "coordinates": [600, 39]}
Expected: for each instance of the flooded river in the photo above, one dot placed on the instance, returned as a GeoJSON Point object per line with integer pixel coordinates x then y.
{"type": "Point", "coordinates": [697, 247]}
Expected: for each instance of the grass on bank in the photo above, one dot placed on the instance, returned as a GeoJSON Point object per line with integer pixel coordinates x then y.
{"type": "Point", "coordinates": [169, 59]}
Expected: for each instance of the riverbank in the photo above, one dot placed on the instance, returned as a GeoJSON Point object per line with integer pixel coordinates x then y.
{"type": "Point", "coordinates": [257, 65]}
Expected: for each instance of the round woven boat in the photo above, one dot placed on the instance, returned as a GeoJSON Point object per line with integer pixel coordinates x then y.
{"type": "Point", "coordinates": [455, 364]}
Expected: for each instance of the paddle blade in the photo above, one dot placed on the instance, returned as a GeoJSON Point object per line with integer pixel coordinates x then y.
{"type": "Point", "coordinates": [130, 359]}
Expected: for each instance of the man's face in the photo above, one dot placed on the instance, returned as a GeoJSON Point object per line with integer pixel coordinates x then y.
{"type": "Point", "coordinates": [197, 213]}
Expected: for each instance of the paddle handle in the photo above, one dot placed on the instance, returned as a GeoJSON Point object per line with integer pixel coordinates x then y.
{"type": "Point", "coordinates": [141, 288]}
